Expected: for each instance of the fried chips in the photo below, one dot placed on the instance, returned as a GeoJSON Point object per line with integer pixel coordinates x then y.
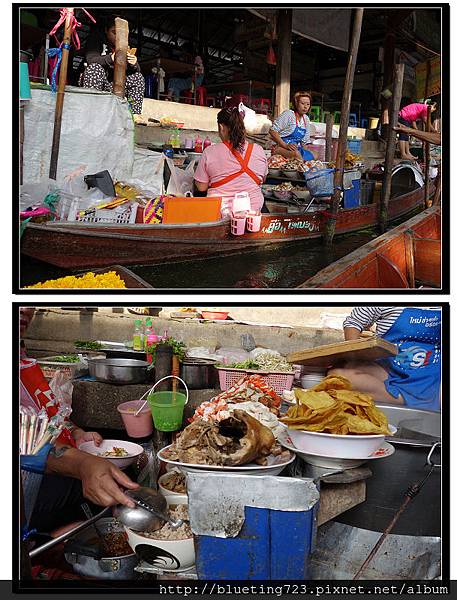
{"type": "Point", "coordinates": [333, 406]}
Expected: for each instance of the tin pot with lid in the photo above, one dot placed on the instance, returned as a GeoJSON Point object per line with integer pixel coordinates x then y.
{"type": "Point", "coordinates": [86, 556]}
{"type": "Point", "coordinates": [199, 373]}
{"type": "Point", "coordinates": [418, 431]}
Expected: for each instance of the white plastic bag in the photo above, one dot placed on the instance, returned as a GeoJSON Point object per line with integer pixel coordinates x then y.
{"type": "Point", "coordinates": [148, 169]}
{"type": "Point", "coordinates": [33, 194]}
{"type": "Point", "coordinates": [181, 180]}
{"type": "Point", "coordinates": [249, 118]}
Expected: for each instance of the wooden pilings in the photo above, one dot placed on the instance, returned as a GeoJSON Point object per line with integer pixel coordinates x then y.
{"type": "Point", "coordinates": [344, 122]}
{"type": "Point", "coordinates": [283, 62]}
{"type": "Point", "coordinates": [120, 56]}
{"type": "Point", "coordinates": [328, 136]}
{"type": "Point", "coordinates": [390, 148]}
{"type": "Point", "coordinates": [60, 95]}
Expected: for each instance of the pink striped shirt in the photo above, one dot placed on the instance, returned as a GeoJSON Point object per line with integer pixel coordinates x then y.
{"type": "Point", "coordinates": [415, 111]}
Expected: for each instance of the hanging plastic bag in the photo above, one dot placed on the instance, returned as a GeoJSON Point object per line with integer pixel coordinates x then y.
{"type": "Point", "coordinates": [181, 180]}
{"type": "Point", "coordinates": [249, 117]}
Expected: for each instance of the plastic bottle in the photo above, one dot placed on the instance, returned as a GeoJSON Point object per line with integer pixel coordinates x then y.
{"type": "Point", "coordinates": [138, 335]}
{"type": "Point", "coordinates": [149, 335]}
{"type": "Point", "coordinates": [207, 142]}
{"type": "Point", "coordinates": [198, 144]}
{"type": "Point", "coordinates": [176, 139]}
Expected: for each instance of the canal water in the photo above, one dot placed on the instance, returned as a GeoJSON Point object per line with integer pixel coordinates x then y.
{"type": "Point", "coordinates": [278, 267]}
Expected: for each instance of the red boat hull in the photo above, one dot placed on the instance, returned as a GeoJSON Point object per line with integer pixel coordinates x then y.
{"type": "Point", "coordinates": [75, 246]}
{"type": "Point", "coordinates": [407, 254]}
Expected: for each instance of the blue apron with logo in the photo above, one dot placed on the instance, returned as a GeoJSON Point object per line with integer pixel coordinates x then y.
{"type": "Point", "coordinates": [415, 372]}
{"type": "Point", "coordinates": [295, 138]}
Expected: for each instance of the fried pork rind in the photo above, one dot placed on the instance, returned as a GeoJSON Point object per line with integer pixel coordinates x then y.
{"type": "Point", "coordinates": [333, 406]}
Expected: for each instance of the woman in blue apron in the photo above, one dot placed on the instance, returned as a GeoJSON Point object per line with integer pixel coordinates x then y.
{"type": "Point", "coordinates": [412, 377]}
{"type": "Point", "coordinates": [291, 130]}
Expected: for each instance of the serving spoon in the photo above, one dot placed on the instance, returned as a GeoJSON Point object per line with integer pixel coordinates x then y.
{"type": "Point", "coordinates": [149, 513]}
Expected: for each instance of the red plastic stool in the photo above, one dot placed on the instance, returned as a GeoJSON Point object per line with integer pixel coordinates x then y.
{"type": "Point", "coordinates": [187, 97]}
{"type": "Point", "coordinates": [264, 104]}
{"type": "Point", "coordinates": [201, 95]}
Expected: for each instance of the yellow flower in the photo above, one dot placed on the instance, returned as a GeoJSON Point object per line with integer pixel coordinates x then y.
{"type": "Point", "coordinates": [88, 280]}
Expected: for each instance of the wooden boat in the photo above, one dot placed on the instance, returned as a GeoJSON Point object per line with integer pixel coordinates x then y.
{"type": "Point", "coordinates": [75, 245]}
{"type": "Point", "coordinates": [408, 256]}
{"type": "Point", "coordinates": [132, 281]}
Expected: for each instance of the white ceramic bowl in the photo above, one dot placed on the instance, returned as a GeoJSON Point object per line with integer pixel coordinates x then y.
{"type": "Point", "coordinates": [165, 491]}
{"type": "Point", "coordinates": [309, 380]}
{"type": "Point", "coordinates": [169, 555]}
{"type": "Point", "coordinates": [338, 446]}
{"type": "Point", "coordinates": [134, 451]}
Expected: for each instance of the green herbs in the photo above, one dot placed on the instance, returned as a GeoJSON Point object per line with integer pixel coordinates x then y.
{"type": "Point", "coordinates": [69, 358]}
{"type": "Point", "coordinates": [265, 361]}
{"type": "Point", "coordinates": [88, 345]}
{"type": "Point", "coordinates": [178, 348]}
{"type": "Point", "coordinates": [247, 364]}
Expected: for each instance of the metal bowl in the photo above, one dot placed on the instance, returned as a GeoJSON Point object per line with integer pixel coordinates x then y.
{"type": "Point", "coordinates": [282, 194]}
{"type": "Point", "coordinates": [292, 173]}
{"type": "Point", "coordinates": [119, 371]}
{"type": "Point", "coordinates": [274, 172]}
{"type": "Point", "coordinates": [301, 193]}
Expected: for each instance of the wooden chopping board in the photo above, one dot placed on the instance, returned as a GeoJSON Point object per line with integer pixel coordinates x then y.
{"type": "Point", "coordinates": [326, 356]}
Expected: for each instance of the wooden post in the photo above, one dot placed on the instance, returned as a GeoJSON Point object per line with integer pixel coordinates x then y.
{"type": "Point", "coordinates": [344, 122]}
{"type": "Point", "coordinates": [328, 137]}
{"type": "Point", "coordinates": [427, 203]}
{"type": "Point", "coordinates": [437, 195]}
{"type": "Point", "coordinates": [120, 56]}
{"type": "Point", "coordinates": [388, 67]}
{"type": "Point", "coordinates": [283, 60]}
{"type": "Point", "coordinates": [21, 142]}
{"type": "Point", "coordinates": [390, 148]}
{"type": "Point", "coordinates": [60, 96]}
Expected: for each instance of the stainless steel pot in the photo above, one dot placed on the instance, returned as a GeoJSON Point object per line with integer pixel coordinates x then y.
{"type": "Point", "coordinates": [119, 370]}
{"type": "Point", "coordinates": [81, 552]}
{"type": "Point", "coordinates": [418, 430]}
{"type": "Point", "coordinates": [199, 374]}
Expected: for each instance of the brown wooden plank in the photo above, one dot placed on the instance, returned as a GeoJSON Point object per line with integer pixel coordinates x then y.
{"type": "Point", "coordinates": [362, 349]}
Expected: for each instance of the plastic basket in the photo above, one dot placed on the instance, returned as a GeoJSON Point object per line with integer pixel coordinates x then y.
{"type": "Point", "coordinates": [320, 182]}
{"type": "Point", "coordinates": [71, 370]}
{"type": "Point", "coordinates": [278, 380]}
{"type": "Point", "coordinates": [355, 146]}
{"type": "Point", "coordinates": [123, 214]}
{"type": "Point", "coordinates": [349, 176]}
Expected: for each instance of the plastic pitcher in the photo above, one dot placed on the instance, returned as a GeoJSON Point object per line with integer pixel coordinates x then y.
{"type": "Point", "coordinates": [241, 202]}
{"type": "Point", "coordinates": [253, 222]}
{"type": "Point", "coordinates": [167, 408]}
{"type": "Point", "coordinates": [136, 426]}
{"type": "Point", "coordinates": [238, 224]}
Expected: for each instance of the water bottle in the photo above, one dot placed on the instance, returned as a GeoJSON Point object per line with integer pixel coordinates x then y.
{"type": "Point", "coordinates": [138, 335]}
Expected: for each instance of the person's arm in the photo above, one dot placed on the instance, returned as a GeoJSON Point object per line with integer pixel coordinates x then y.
{"type": "Point", "coordinates": [80, 436]}
{"type": "Point", "coordinates": [351, 333]}
{"type": "Point", "coordinates": [414, 124]}
{"type": "Point", "coordinates": [100, 479]}
{"type": "Point", "coordinates": [201, 187]}
{"type": "Point", "coordinates": [307, 139]}
{"type": "Point", "coordinates": [201, 177]}
{"type": "Point", "coordinates": [277, 139]}
{"type": "Point", "coordinates": [93, 52]}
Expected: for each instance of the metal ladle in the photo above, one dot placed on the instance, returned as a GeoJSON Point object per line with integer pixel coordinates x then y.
{"type": "Point", "coordinates": [149, 513]}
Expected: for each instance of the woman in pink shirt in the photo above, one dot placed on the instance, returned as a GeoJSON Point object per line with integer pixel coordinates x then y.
{"type": "Point", "coordinates": [232, 166]}
{"type": "Point", "coordinates": [408, 116]}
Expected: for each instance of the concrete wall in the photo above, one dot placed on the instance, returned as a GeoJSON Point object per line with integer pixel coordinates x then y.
{"type": "Point", "coordinates": [54, 330]}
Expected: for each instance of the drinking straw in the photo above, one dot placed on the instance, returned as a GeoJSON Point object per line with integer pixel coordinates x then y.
{"type": "Point", "coordinates": [31, 434]}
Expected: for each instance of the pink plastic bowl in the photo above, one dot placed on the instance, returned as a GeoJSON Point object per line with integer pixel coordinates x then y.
{"type": "Point", "coordinates": [216, 316]}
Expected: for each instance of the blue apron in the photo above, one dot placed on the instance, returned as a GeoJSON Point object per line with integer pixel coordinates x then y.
{"type": "Point", "coordinates": [295, 138]}
{"type": "Point", "coordinates": [415, 372]}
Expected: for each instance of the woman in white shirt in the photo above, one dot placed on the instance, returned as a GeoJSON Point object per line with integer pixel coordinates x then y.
{"type": "Point", "coordinates": [291, 130]}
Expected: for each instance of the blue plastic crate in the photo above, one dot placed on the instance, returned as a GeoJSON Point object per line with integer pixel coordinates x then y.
{"type": "Point", "coordinates": [351, 197]}
{"type": "Point", "coordinates": [261, 551]}
{"type": "Point", "coordinates": [355, 146]}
